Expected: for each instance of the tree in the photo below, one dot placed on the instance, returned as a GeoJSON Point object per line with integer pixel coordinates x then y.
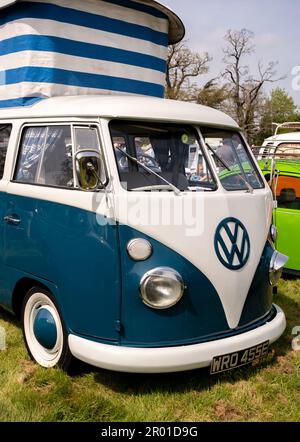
{"type": "Point", "coordinates": [245, 89]}
{"type": "Point", "coordinates": [279, 107]}
{"type": "Point", "coordinates": [183, 69]}
{"type": "Point", "coordinates": [211, 94]}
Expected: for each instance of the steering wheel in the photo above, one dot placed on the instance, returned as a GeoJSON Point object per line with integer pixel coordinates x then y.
{"type": "Point", "coordinates": [148, 161]}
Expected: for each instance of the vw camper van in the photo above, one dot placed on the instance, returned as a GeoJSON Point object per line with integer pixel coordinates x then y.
{"type": "Point", "coordinates": [129, 263]}
{"type": "Point", "coordinates": [135, 232]}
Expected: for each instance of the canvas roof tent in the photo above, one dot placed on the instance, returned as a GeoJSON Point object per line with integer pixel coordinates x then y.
{"type": "Point", "coordinates": [69, 47]}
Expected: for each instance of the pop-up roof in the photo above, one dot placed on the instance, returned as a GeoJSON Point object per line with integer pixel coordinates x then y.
{"type": "Point", "coordinates": [72, 47]}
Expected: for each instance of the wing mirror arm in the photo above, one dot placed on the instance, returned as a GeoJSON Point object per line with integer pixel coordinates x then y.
{"type": "Point", "coordinates": [92, 169]}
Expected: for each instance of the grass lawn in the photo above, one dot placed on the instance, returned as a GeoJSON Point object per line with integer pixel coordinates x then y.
{"type": "Point", "coordinates": [270, 392]}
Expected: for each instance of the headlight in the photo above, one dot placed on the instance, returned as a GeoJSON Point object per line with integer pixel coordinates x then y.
{"type": "Point", "coordinates": [277, 263]}
{"type": "Point", "coordinates": [161, 288]}
{"type": "Point", "coordinates": [273, 233]}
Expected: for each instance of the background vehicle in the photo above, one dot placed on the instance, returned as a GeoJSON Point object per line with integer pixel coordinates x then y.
{"type": "Point", "coordinates": [279, 159]}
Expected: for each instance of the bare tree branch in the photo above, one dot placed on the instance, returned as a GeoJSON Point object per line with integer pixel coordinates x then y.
{"type": "Point", "coordinates": [184, 66]}
{"type": "Point", "coordinates": [246, 89]}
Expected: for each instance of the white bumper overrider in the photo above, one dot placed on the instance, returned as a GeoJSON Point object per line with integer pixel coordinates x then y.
{"type": "Point", "coordinates": [172, 359]}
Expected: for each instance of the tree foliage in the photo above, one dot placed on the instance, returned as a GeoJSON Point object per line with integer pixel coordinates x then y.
{"type": "Point", "coordinates": [278, 107]}
{"type": "Point", "coordinates": [211, 94]}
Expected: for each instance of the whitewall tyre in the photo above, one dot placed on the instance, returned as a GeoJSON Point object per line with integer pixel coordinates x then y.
{"type": "Point", "coordinates": [44, 333]}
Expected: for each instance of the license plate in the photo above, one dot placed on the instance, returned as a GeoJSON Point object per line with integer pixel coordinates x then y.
{"type": "Point", "coordinates": [238, 359]}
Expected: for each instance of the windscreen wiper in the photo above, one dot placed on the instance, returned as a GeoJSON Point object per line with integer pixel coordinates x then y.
{"type": "Point", "coordinates": [224, 164]}
{"type": "Point", "coordinates": [136, 161]}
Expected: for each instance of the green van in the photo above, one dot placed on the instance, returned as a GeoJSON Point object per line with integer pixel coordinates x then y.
{"type": "Point", "coordinates": [279, 159]}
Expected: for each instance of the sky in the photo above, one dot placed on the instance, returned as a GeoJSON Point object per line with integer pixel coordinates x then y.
{"type": "Point", "coordinates": [275, 24]}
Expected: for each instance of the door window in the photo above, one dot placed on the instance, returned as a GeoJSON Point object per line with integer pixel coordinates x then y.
{"type": "Point", "coordinates": [46, 157]}
{"type": "Point", "coordinates": [5, 131]}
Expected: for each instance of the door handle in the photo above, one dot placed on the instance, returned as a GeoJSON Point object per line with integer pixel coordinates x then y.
{"type": "Point", "coordinates": [13, 220]}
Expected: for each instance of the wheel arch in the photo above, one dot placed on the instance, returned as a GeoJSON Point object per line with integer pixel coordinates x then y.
{"type": "Point", "coordinates": [21, 289]}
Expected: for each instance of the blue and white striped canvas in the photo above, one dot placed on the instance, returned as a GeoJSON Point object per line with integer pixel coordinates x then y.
{"type": "Point", "coordinates": [70, 47]}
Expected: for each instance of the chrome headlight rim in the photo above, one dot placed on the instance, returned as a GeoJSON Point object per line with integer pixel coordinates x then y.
{"type": "Point", "coordinates": [161, 272]}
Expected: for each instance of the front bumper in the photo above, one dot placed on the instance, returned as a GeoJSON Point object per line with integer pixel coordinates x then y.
{"type": "Point", "coordinates": [172, 359]}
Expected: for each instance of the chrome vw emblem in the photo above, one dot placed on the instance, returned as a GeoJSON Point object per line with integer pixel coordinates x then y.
{"type": "Point", "coordinates": [232, 244]}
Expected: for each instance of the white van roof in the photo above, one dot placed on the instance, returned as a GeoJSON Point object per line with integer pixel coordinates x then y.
{"type": "Point", "coordinates": [127, 107]}
{"type": "Point", "coordinates": [289, 137]}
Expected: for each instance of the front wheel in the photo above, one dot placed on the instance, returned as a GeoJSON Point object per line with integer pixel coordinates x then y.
{"type": "Point", "coordinates": [44, 333]}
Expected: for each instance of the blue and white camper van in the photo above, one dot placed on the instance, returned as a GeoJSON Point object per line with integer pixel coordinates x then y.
{"type": "Point", "coordinates": [135, 232]}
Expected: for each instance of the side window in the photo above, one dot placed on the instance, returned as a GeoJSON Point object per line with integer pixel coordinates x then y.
{"type": "Point", "coordinates": [45, 156]}
{"type": "Point", "coordinates": [56, 167]}
{"type": "Point", "coordinates": [288, 192]}
{"type": "Point", "coordinates": [5, 131]}
{"type": "Point", "coordinates": [86, 138]}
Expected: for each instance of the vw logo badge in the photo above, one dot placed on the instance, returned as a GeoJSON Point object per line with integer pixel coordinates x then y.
{"type": "Point", "coordinates": [232, 244]}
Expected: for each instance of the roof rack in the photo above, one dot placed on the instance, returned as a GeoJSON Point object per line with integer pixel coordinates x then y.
{"type": "Point", "coordinates": [288, 125]}
{"type": "Point", "coordinates": [291, 152]}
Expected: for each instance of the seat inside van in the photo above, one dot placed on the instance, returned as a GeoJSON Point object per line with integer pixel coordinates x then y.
{"type": "Point", "coordinates": [288, 199]}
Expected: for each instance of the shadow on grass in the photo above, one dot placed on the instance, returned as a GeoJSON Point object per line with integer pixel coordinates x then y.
{"type": "Point", "coordinates": [291, 276]}
{"type": "Point", "coordinates": [199, 380]}
{"type": "Point", "coordinates": [9, 317]}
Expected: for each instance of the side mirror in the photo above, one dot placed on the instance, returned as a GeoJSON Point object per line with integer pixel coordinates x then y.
{"type": "Point", "coordinates": [88, 169]}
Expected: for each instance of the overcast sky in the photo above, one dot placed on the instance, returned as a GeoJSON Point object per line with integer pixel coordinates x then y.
{"type": "Point", "coordinates": [274, 22]}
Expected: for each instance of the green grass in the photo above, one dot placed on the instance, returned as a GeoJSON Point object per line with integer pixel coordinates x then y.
{"type": "Point", "coordinates": [270, 392]}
